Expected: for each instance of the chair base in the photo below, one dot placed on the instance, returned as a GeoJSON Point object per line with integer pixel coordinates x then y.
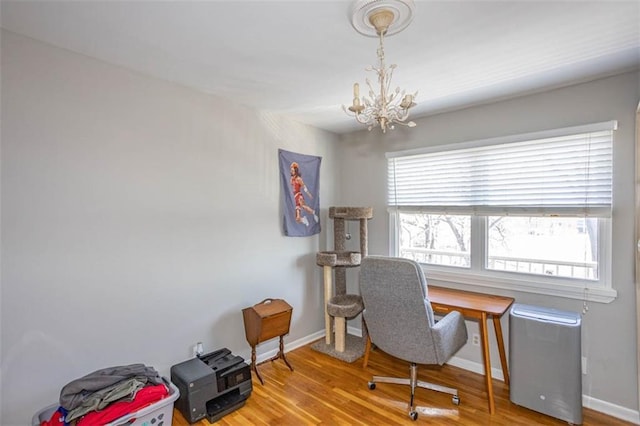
{"type": "Point", "coordinates": [413, 382]}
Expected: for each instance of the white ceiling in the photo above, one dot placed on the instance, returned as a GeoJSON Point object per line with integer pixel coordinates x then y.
{"type": "Point", "coordinates": [302, 57]}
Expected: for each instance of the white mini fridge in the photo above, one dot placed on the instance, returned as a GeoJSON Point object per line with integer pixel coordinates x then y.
{"type": "Point", "coordinates": [545, 361]}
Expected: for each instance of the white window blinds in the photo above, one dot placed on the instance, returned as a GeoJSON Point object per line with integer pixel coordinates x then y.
{"type": "Point", "coordinates": [564, 171]}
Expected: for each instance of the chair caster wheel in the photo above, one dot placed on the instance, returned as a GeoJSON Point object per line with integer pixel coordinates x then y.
{"type": "Point", "coordinates": [413, 415]}
{"type": "Point", "coordinates": [371, 385]}
{"type": "Point", "coordinates": [455, 400]}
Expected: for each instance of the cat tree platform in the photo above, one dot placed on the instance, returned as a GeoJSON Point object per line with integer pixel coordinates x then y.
{"type": "Point", "coordinates": [332, 259]}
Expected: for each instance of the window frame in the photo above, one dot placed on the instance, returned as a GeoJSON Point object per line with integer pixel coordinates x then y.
{"type": "Point", "coordinates": [477, 275]}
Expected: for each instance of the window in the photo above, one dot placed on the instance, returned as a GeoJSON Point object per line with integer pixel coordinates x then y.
{"type": "Point", "coordinates": [560, 247]}
{"type": "Point", "coordinates": [530, 212]}
{"type": "Point", "coordinates": [436, 239]}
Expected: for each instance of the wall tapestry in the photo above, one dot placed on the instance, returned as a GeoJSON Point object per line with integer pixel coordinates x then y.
{"type": "Point", "coordinates": [300, 178]}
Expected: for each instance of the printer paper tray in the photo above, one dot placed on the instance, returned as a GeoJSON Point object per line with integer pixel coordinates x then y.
{"type": "Point", "coordinates": [225, 404]}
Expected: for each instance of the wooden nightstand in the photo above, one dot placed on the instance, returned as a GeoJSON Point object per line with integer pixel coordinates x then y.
{"type": "Point", "coordinates": [266, 320]}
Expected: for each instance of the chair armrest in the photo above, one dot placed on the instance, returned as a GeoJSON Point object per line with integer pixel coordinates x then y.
{"type": "Point", "coordinates": [449, 335]}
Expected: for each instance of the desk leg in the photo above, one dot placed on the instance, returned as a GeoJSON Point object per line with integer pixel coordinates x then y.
{"type": "Point", "coordinates": [486, 355]}
{"type": "Point", "coordinates": [503, 356]}
{"type": "Point", "coordinates": [328, 291]}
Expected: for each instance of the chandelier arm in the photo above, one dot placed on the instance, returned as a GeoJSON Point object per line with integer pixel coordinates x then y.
{"type": "Point", "coordinates": [404, 114]}
{"type": "Point", "coordinates": [361, 118]}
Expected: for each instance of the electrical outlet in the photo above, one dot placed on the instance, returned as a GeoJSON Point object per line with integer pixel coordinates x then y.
{"type": "Point", "coordinates": [198, 349]}
{"type": "Point", "coordinates": [475, 339]}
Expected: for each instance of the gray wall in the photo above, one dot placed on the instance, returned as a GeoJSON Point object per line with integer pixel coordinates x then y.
{"type": "Point", "coordinates": [609, 335]}
{"type": "Point", "coordinates": [138, 217]}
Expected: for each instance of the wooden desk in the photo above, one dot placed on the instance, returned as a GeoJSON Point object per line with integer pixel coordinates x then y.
{"type": "Point", "coordinates": [477, 306]}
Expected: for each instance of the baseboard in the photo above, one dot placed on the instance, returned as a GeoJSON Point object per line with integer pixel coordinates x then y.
{"type": "Point", "coordinates": [604, 407]}
{"type": "Point", "coordinates": [475, 367]}
{"type": "Point", "coordinates": [290, 346]}
{"type": "Point", "coordinates": [610, 409]}
{"type": "Point", "coordinates": [354, 331]}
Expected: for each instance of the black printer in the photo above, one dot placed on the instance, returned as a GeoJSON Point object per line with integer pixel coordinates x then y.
{"type": "Point", "coordinates": [211, 385]}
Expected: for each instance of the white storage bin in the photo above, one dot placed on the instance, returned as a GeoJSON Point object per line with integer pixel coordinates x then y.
{"type": "Point", "coordinates": [159, 413]}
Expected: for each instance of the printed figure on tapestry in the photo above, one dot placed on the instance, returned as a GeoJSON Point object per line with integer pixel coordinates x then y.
{"type": "Point", "coordinates": [296, 184]}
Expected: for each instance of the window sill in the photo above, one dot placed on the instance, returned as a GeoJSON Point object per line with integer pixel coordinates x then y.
{"type": "Point", "coordinates": [593, 294]}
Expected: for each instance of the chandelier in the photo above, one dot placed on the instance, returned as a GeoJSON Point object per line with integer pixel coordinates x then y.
{"type": "Point", "coordinates": [387, 107]}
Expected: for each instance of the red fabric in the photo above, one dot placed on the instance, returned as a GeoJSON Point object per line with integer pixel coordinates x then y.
{"type": "Point", "coordinates": [145, 396]}
{"type": "Point", "coordinates": [57, 419]}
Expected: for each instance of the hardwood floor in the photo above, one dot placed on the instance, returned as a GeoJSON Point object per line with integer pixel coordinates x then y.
{"type": "Point", "coordinates": [326, 391]}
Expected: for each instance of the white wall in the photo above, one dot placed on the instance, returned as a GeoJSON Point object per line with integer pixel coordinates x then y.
{"type": "Point", "coordinates": [609, 337]}
{"type": "Point", "coordinates": [138, 217]}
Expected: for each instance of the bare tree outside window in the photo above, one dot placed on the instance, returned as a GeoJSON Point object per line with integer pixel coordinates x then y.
{"type": "Point", "coordinates": [551, 246]}
{"type": "Point", "coordinates": [438, 239]}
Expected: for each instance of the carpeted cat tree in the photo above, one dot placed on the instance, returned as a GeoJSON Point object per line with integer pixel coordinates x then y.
{"type": "Point", "coordinates": [340, 306]}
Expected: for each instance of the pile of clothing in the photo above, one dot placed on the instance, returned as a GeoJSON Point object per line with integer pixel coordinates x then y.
{"type": "Point", "coordinates": [107, 394]}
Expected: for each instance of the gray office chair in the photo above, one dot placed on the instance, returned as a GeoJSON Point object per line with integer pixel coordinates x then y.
{"type": "Point", "coordinates": [400, 321]}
